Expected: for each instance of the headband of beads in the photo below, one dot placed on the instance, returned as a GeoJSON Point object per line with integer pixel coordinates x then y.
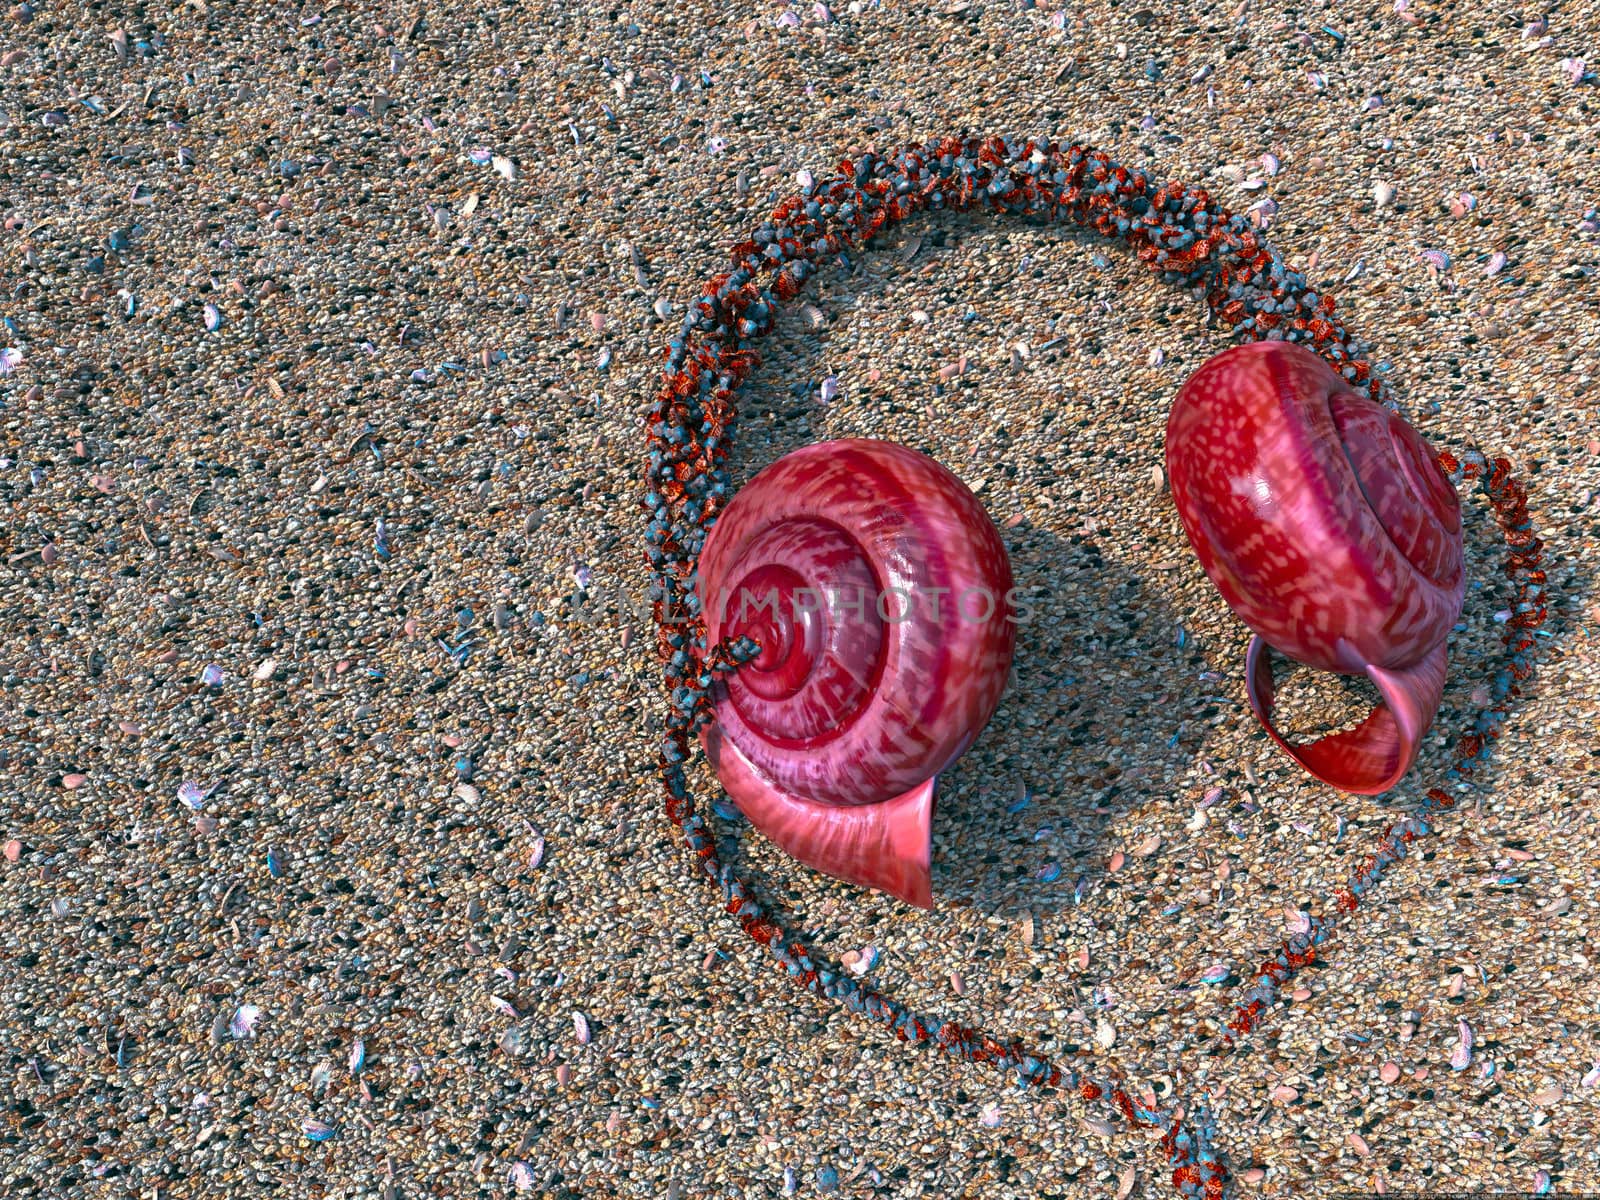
{"type": "Point", "coordinates": [1187, 239]}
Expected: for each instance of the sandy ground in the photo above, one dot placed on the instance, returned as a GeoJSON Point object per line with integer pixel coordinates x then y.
{"type": "Point", "coordinates": [327, 716]}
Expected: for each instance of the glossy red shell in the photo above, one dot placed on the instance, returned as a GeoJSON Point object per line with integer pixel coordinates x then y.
{"type": "Point", "coordinates": [1321, 516]}
{"type": "Point", "coordinates": [879, 592]}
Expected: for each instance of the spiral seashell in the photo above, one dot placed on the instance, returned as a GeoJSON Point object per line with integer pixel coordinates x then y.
{"type": "Point", "coordinates": [879, 593]}
{"type": "Point", "coordinates": [1331, 531]}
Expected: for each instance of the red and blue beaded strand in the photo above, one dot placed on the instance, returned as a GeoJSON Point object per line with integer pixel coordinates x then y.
{"type": "Point", "coordinates": [1188, 240]}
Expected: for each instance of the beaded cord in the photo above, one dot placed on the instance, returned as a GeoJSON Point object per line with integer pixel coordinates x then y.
{"type": "Point", "coordinates": [1187, 239]}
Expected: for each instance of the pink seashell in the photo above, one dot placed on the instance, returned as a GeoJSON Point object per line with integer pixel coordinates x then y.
{"type": "Point", "coordinates": [13, 850]}
{"type": "Point", "coordinates": [880, 595]}
{"type": "Point", "coordinates": [243, 1022]}
{"type": "Point", "coordinates": [1330, 530]}
{"type": "Point", "coordinates": [1389, 1072]}
{"type": "Point", "coordinates": [74, 781]}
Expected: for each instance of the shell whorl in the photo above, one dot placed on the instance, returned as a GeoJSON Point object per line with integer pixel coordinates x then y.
{"type": "Point", "coordinates": [878, 590]}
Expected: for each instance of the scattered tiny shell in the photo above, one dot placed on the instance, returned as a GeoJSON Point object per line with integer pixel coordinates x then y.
{"type": "Point", "coordinates": [536, 853]}
{"type": "Point", "coordinates": [580, 1028]}
{"type": "Point", "coordinates": [1215, 974]}
{"type": "Point", "coordinates": [860, 962]}
{"type": "Point", "coordinates": [1382, 193]}
{"type": "Point", "coordinates": [1270, 163]}
{"type": "Point", "coordinates": [13, 850]}
{"type": "Point", "coordinates": [1496, 264]}
{"type": "Point", "coordinates": [522, 1177]}
{"type": "Point", "coordinates": [1105, 1034]}
{"type": "Point", "coordinates": [213, 318]}
{"type": "Point", "coordinates": [1116, 862]}
{"type": "Point", "coordinates": [1359, 1145]}
{"type": "Point", "coordinates": [1547, 1097]}
{"type": "Point", "coordinates": [194, 795]}
{"type": "Point", "coordinates": [1125, 1181]}
{"type": "Point", "coordinates": [74, 781]}
{"type": "Point", "coordinates": [504, 1007]}
{"type": "Point", "coordinates": [1389, 1072]}
{"type": "Point", "coordinates": [317, 1131]}
{"type": "Point", "coordinates": [1461, 1056]}
{"type": "Point", "coordinates": [1284, 1094]}
{"type": "Point", "coordinates": [989, 1115]}
{"type": "Point", "coordinates": [321, 1074]}
{"type": "Point", "coordinates": [358, 1056]}
{"type": "Point", "coordinates": [244, 1020]}
{"type": "Point", "coordinates": [264, 671]}
{"type": "Point", "coordinates": [504, 167]}
{"type": "Point", "coordinates": [563, 1074]}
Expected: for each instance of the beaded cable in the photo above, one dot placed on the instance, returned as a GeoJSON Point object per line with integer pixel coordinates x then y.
{"type": "Point", "coordinates": [1187, 239]}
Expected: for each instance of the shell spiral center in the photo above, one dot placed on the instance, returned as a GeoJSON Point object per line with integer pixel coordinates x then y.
{"type": "Point", "coordinates": [809, 599]}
